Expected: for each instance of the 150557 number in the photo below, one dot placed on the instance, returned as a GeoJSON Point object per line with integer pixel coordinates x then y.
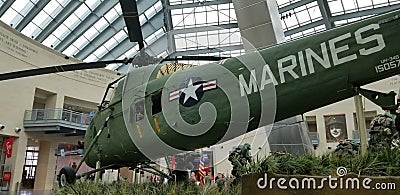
{"type": "Point", "coordinates": [387, 66]}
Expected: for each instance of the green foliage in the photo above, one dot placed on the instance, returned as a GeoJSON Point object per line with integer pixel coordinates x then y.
{"type": "Point", "coordinates": [124, 188]}
{"type": "Point", "coordinates": [381, 161]}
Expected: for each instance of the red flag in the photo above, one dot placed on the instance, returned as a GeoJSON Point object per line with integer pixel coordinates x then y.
{"type": "Point", "coordinates": [173, 162]}
{"type": "Point", "coordinates": [8, 146]}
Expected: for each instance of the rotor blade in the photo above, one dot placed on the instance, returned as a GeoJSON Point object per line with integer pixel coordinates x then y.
{"type": "Point", "coordinates": [59, 68]}
{"type": "Point", "coordinates": [131, 17]}
{"type": "Point", "coordinates": [201, 58]}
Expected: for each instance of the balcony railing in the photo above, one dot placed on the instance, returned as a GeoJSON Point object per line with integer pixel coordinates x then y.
{"type": "Point", "coordinates": [56, 117]}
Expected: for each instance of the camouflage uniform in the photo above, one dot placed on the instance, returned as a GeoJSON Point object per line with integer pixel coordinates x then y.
{"type": "Point", "coordinates": [382, 129]}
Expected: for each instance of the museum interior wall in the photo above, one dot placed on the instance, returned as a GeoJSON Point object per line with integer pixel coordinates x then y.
{"type": "Point", "coordinates": [31, 100]}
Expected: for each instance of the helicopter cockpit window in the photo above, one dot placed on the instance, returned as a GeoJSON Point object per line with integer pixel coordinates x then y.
{"type": "Point", "coordinates": [139, 110]}
{"type": "Point", "coordinates": [156, 100]}
{"type": "Point", "coordinates": [171, 68]}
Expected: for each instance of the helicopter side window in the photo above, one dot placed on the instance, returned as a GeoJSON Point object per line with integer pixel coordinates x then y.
{"type": "Point", "coordinates": [139, 110]}
{"type": "Point", "coordinates": [156, 100]}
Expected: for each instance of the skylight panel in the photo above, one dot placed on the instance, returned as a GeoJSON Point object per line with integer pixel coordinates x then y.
{"type": "Point", "coordinates": [150, 39]}
{"type": "Point", "coordinates": [100, 52]}
{"type": "Point", "coordinates": [315, 13]}
{"type": "Point", "coordinates": [111, 43]}
{"type": "Point", "coordinates": [336, 7]}
{"type": "Point", "coordinates": [120, 36]}
{"type": "Point", "coordinates": [118, 9]}
{"type": "Point", "coordinates": [8, 16]}
{"type": "Point", "coordinates": [212, 17]}
{"type": "Point", "coordinates": [131, 52]}
{"type": "Point", "coordinates": [375, 2]}
{"type": "Point", "coordinates": [160, 32]}
{"type": "Point", "coordinates": [201, 18]}
{"type": "Point", "coordinates": [91, 33]}
{"type": "Point", "coordinates": [180, 43]}
{"type": "Point", "coordinates": [81, 42]}
{"type": "Point", "coordinates": [53, 8]}
{"type": "Point", "coordinates": [91, 58]}
{"type": "Point", "coordinates": [101, 24]}
{"type": "Point", "coordinates": [363, 4]}
{"type": "Point", "coordinates": [224, 16]}
{"type": "Point", "coordinates": [282, 3]}
{"type": "Point", "coordinates": [150, 12]}
{"type": "Point", "coordinates": [223, 6]}
{"type": "Point", "coordinates": [393, 2]}
{"type": "Point", "coordinates": [92, 4]}
{"type": "Point", "coordinates": [61, 32]}
{"type": "Point", "coordinates": [31, 30]}
{"type": "Point", "coordinates": [142, 19]}
{"type": "Point", "coordinates": [22, 6]}
{"type": "Point", "coordinates": [303, 17]}
{"type": "Point", "coordinates": [111, 15]}
{"type": "Point", "coordinates": [176, 12]}
{"type": "Point", "coordinates": [41, 18]}
{"type": "Point", "coordinates": [50, 41]}
{"type": "Point", "coordinates": [350, 5]}
{"type": "Point", "coordinates": [224, 39]}
{"type": "Point", "coordinates": [63, 2]}
{"type": "Point", "coordinates": [72, 21]}
{"type": "Point", "coordinates": [71, 50]}
{"type": "Point", "coordinates": [82, 12]}
{"type": "Point", "coordinates": [158, 6]}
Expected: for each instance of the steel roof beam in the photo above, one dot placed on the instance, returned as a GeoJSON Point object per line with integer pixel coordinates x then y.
{"type": "Point", "coordinates": [198, 4]}
{"type": "Point", "coordinates": [169, 26]}
{"type": "Point", "coordinates": [326, 13]}
{"type": "Point", "coordinates": [31, 14]}
{"type": "Point", "coordinates": [148, 28]}
{"type": "Point", "coordinates": [208, 50]}
{"type": "Point", "coordinates": [294, 5]}
{"type": "Point", "coordinates": [205, 28]}
{"type": "Point", "coordinates": [58, 20]}
{"type": "Point", "coordinates": [379, 10]}
{"type": "Point", "coordinates": [102, 9]}
{"type": "Point", "coordinates": [304, 27]}
{"type": "Point", "coordinates": [6, 5]}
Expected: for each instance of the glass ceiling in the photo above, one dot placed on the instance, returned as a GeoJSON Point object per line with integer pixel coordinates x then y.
{"type": "Point", "coordinates": [93, 30]}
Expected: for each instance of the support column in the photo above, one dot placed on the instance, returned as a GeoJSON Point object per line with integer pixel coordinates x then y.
{"type": "Point", "coordinates": [259, 23]}
{"type": "Point", "coordinates": [260, 27]}
{"type": "Point", "coordinates": [45, 171]}
{"type": "Point", "coordinates": [17, 162]}
{"type": "Point", "coordinates": [362, 129]}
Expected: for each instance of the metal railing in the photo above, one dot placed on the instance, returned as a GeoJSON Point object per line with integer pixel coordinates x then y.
{"type": "Point", "coordinates": [57, 114]}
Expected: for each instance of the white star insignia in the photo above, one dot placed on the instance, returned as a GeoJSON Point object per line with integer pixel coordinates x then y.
{"type": "Point", "coordinates": [190, 91]}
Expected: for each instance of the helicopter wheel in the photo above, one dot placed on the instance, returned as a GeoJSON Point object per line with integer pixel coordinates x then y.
{"type": "Point", "coordinates": [66, 177]}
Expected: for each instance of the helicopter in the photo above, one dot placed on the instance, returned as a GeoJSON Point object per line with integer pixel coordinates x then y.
{"type": "Point", "coordinates": [169, 108]}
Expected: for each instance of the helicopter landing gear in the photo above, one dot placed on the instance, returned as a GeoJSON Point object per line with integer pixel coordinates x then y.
{"type": "Point", "coordinates": [66, 177]}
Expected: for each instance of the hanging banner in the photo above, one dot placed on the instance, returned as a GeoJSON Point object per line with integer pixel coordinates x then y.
{"type": "Point", "coordinates": [8, 146]}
